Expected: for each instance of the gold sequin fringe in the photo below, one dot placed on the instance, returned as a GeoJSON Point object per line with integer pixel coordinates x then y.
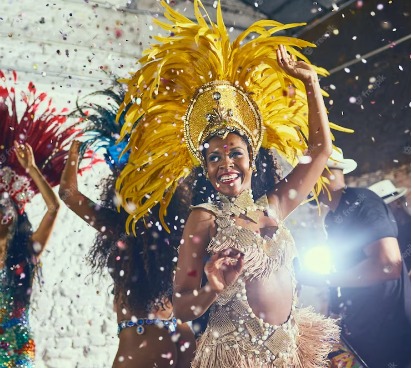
{"type": "Point", "coordinates": [317, 335]}
{"type": "Point", "coordinates": [221, 355]}
{"type": "Point", "coordinates": [257, 263]}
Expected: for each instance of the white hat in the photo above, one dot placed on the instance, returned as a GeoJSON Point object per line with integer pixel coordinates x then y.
{"type": "Point", "coordinates": [387, 191]}
{"type": "Point", "coordinates": [336, 161]}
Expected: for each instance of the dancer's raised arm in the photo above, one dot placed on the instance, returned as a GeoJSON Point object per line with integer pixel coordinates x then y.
{"type": "Point", "coordinates": [292, 190]}
{"type": "Point", "coordinates": [26, 159]}
{"type": "Point", "coordinates": [69, 193]}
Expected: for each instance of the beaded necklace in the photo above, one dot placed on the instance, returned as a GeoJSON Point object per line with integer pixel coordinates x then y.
{"type": "Point", "coordinates": [243, 204]}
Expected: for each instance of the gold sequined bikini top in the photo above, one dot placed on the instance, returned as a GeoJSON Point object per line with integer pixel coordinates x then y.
{"type": "Point", "coordinates": [263, 254]}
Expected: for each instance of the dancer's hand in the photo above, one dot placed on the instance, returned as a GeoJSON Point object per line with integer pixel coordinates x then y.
{"type": "Point", "coordinates": [68, 181]}
{"type": "Point", "coordinates": [74, 149]}
{"type": "Point", "coordinates": [70, 168]}
{"type": "Point", "coordinates": [296, 69]}
{"type": "Point", "coordinates": [24, 154]}
{"type": "Point", "coordinates": [224, 268]}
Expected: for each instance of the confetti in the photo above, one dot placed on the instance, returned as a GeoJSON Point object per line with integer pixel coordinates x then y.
{"type": "Point", "coordinates": [305, 159]}
{"type": "Point", "coordinates": [192, 273]}
{"type": "Point", "coordinates": [292, 194]}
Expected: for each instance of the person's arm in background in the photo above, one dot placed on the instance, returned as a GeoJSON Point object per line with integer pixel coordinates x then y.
{"type": "Point", "coordinates": [383, 263]}
{"type": "Point", "coordinates": [383, 258]}
{"type": "Point", "coordinates": [69, 193]}
{"type": "Point", "coordinates": [42, 234]}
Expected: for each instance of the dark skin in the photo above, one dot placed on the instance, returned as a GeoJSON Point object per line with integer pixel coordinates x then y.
{"type": "Point", "coordinates": [155, 346]}
{"type": "Point", "coordinates": [229, 171]}
{"type": "Point", "coordinates": [40, 237]}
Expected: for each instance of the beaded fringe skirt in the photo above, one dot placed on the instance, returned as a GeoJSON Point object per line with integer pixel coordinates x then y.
{"type": "Point", "coordinates": [302, 342]}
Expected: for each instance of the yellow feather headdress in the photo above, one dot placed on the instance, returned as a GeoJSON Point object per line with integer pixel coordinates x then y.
{"type": "Point", "coordinates": [195, 83]}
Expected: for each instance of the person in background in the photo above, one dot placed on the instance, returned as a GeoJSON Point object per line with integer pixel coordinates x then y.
{"type": "Point", "coordinates": [368, 287]}
{"type": "Point", "coordinates": [32, 152]}
{"type": "Point", "coordinates": [20, 252]}
{"type": "Point", "coordinates": [141, 264]}
{"type": "Point", "coordinates": [395, 199]}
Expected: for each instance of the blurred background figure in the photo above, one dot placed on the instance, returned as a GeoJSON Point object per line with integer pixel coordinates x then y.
{"type": "Point", "coordinates": [369, 290]}
{"type": "Point", "coordinates": [20, 251]}
{"type": "Point", "coordinates": [32, 152]}
{"type": "Point", "coordinates": [395, 199]}
{"type": "Point", "coordinates": [141, 265]}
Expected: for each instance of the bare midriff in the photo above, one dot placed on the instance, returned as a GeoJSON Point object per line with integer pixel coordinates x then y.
{"type": "Point", "coordinates": [271, 299]}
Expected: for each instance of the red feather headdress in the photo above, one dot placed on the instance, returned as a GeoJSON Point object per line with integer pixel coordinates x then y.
{"type": "Point", "coordinates": [47, 131]}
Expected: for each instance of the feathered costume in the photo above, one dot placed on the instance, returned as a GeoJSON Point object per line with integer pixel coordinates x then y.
{"type": "Point", "coordinates": [237, 338]}
{"type": "Point", "coordinates": [49, 135]}
{"type": "Point", "coordinates": [45, 131]}
{"type": "Point", "coordinates": [101, 130]}
{"type": "Point", "coordinates": [195, 84]}
{"type": "Point", "coordinates": [193, 55]}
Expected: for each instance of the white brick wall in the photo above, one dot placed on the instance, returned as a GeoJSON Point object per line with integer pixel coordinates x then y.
{"type": "Point", "coordinates": [72, 315]}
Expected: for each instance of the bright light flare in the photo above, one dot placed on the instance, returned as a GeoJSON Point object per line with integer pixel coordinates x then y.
{"type": "Point", "coordinates": [318, 259]}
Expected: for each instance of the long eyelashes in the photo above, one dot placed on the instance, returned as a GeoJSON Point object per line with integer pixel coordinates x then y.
{"type": "Point", "coordinates": [232, 155]}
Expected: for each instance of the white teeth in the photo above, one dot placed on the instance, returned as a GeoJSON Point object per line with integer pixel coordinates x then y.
{"type": "Point", "coordinates": [225, 178]}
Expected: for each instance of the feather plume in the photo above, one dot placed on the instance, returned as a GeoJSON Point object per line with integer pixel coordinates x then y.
{"type": "Point", "coordinates": [45, 129]}
{"type": "Point", "coordinates": [196, 53]}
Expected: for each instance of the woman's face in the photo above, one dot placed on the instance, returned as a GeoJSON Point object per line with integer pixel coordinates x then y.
{"type": "Point", "coordinates": [228, 165]}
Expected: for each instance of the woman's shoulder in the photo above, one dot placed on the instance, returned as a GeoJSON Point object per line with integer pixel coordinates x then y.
{"type": "Point", "coordinates": [204, 210]}
{"type": "Point", "coordinates": [202, 220]}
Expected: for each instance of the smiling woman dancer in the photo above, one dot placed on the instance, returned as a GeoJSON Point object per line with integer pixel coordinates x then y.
{"type": "Point", "coordinates": [141, 266]}
{"type": "Point", "coordinates": [204, 101]}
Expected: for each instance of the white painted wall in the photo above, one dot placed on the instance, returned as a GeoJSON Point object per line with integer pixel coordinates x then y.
{"type": "Point", "coordinates": [72, 316]}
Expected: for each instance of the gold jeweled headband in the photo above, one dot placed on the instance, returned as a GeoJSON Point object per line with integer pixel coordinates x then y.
{"type": "Point", "coordinates": [218, 108]}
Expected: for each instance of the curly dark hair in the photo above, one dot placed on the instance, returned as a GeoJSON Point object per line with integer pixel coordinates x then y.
{"type": "Point", "coordinates": [20, 262]}
{"type": "Point", "coordinates": [142, 267]}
